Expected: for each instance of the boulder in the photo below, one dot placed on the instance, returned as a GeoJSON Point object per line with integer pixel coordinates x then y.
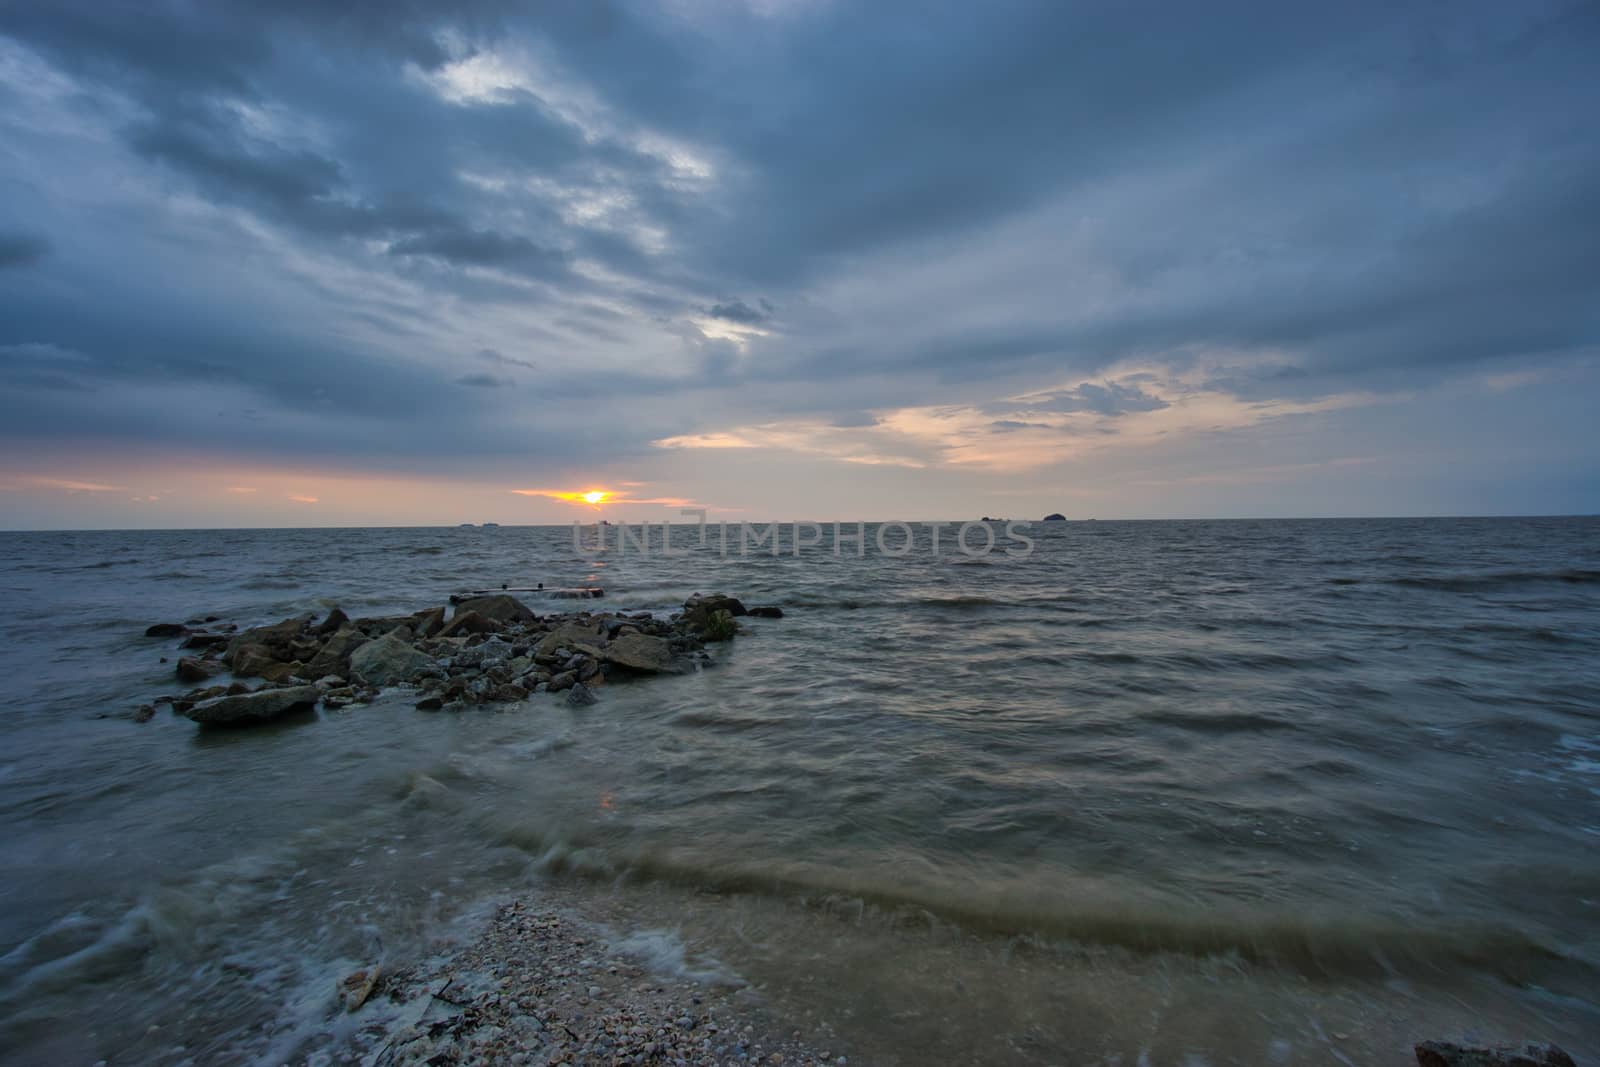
{"type": "Point", "coordinates": [766, 611]}
{"type": "Point", "coordinates": [468, 622]}
{"type": "Point", "coordinates": [577, 636]}
{"type": "Point", "coordinates": [1445, 1054]}
{"type": "Point", "coordinates": [698, 609]}
{"type": "Point", "coordinates": [580, 695]}
{"type": "Point", "coordinates": [334, 656]}
{"type": "Point", "coordinates": [259, 706]}
{"type": "Point", "coordinates": [564, 680]}
{"type": "Point", "coordinates": [506, 693]}
{"type": "Point", "coordinates": [251, 661]}
{"type": "Point", "coordinates": [428, 623]}
{"type": "Point", "coordinates": [336, 621]}
{"type": "Point", "coordinates": [166, 629]}
{"type": "Point", "coordinates": [194, 670]}
{"type": "Point", "coordinates": [205, 640]}
{"type": "Point", "coordinates": [276, 638]}
{"type": "Point", "coordinates": [388, 660]}
{"type": "Point", "coordinates": [502, 608]}
{"type": "Point", "coordinates": [640, 652]}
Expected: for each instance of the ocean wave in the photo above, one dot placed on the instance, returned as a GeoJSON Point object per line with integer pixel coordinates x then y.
{"type": "Point", "coordinates": [1472, 583]}
{"type": "Point", "coordinates": [1358, 946]}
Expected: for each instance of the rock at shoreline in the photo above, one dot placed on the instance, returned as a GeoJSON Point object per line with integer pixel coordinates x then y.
{"type": "Point", "coordinates": [502, 608]}
{"type": "Point", "coordinates": [259, 706]}
{"type": "Point", "coordinates": [698, 609]}
{"type": "Point", "coordinates": [274, 640]}
{"type": "Point", "coordinates": [166, 629]}
{"type": "Point", "coordinates": [640, 652]}
{"type": "Point", "coordinates": [429, 622]}
{"type": "Point", "coordinates": [334, 656]}
{"type": "Point", "coordinates": [468, 622]}
{"type": "Point", "coordinates": [193, 670]}
{"type": "Point", "coordinates": [388, 660]}
{"type": "Point", "coordinates": [765, 611]}
{"type": "Point", "coordinates": [335, 621]}
{"type": "Point", "coordinates": [1445, 1054]}
{"type": "Point", "coordinates": [204, 641]}
{"type": "Point", "coordinates": [578, 636]}
{"type": "Point", "coordinates": [580, 695]}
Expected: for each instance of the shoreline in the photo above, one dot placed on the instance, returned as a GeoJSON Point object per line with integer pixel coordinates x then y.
{"type": "Point", "coordinates": [545, 981]}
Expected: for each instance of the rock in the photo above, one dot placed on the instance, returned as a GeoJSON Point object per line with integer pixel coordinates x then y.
{"type": "Point", "coordinates": [166, 629]}
{"type": "Point", "coordinates": [720, 626]}
{"type": "Point", "coordinates": [469, 622]}
{"type": "Point", "coordinates": [1055, 516]}
{"type": "Point", "coordinates": [1445, 1054]}
{"type": "Point", "coordinates": [336, 621]}
{"type": "Point", "coordinates": [428, 623]}
{"type": "Point", "coordinates": [577, 636]}
{"type": "Point", "coordinates": [501, 608]}
{"type": "Point", "coordinates": [276, 638]}
{"type": "Point", "coordinates": [194, 670]}
{"type": "Point", "coordinates": [331, 681]}
{"type": "Point", "coordinates": [430, 703]}
{"type": "Point", "coordinates": [357, 987]}
{"type": "Point", "coordinates": [387, 660]}
{"type": "Point", "coordinates": [259, 706]}
{"type": "Point", "coordinates": [698, 609]}
{"type": "Point", "coordinates": [249, 661]}
{"type": "Point", "coordinates": [564, 680]}
{"type": "Point", "coordinates": [640, 652]}
{"type": "Point", "coordinates": [580, 695]}
{"type": "Point", "coordinates": [506, 693]}
{"type": "Point", "coordinates": [334, 656]}
{"type": "Point", "coordinates": [144, 713]}
{"type": "Point", "coordinates": [205, 640]}
{"type": "Point", "coordinates": [766, 611]}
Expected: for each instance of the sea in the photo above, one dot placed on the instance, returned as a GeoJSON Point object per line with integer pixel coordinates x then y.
{"type": "Point", "coordinates": [1179, 792]}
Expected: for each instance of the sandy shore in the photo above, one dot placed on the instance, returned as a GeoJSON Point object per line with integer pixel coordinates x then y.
{"type": "Point", "coordinates": [542, 984]}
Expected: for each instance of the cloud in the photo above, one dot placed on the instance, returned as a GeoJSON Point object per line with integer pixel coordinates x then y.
{"type": "Point", "coordinates": [299, 499]}
{"type": "Point", "coordinates": [21, 249]}
{"type": "Point", "coordinates": [995, 245]}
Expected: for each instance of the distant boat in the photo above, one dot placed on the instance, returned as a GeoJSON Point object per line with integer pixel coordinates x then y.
{"type": "Point", "coordinates": [1055, 516]}
{"type": "Point", "coordinates": [491, 526]}
{"type": "Point", "coordinates": [469, 526]}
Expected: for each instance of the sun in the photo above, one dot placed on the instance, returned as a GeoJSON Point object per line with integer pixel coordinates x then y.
{"type": "Point", "coordinates": [595, 496]}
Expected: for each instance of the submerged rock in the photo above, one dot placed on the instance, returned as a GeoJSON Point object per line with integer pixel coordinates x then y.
{"type": "Point", "coordinates": [166, 629]}
{"type": "Point", "coordinates": [698, 609]}
{"type": "Point", "coordinates": [388, 660]}
{"type": "Point", "coordinates": [766, 611]}
{"type": "Point", "coordinates": [580, 695]}
{"type": "Point", "coordinates": [259, 706]}
{"type": "Point", "coordinates": [1446, 1054]}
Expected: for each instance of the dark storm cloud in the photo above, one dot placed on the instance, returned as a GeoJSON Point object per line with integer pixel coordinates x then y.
{"type": "Point", "coordinates": [1003, 199]}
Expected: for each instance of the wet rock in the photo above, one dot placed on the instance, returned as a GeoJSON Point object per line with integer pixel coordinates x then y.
{"type": "Point", "coordinates": [698, 609]}
{"type": "Point", "coordinates": [428, 623]}
{"type": "Point", "coordinates": [430, 703]}
{"type": "Point", "coordinates": [251, 661]}
{"type": "Point", "coordinates": [576, 636]}
{"type": "Point", "coordinates": [205, 640]}
{"type": "Point", "coordinates": [1445, 1054]}
{"type": "Point", "coordinates": [501, 608]}
{"type": "Point", "coordinates": [331, 681]}
{"type": "Point", "coordinates": [259, 706]}
{"type": "Point", "coordinates": [580, 695]}
{"type": "Point", "coordinates": [336, 621]}
{"type": "Point", "coordinates": [357, 988]}
{"type": "Point", "coordinates": [506, 693]}
{"type": "Point", "coordinates": [564, 680]}
{"type": "Point", "coordinates": [766, 611]}
{"type": "Point", "coordinates": [194, 670]}
{"type": "Point", "coordinates": [144, 713]}
{"type": "Point", "coordinates": [275, 639]}
{"type": "Point", "coordinates": [334, 655]}
{"type": "Point", "coordinates": [387, 660]}
{"type": "Point", "coordinates": [468, 622]}
{"type": "Point", "coordinates": [640, 652]}
{"type": "Point", "coordinates": [719, 627]}
{"type": "Point", "coordinates": [166, 629]}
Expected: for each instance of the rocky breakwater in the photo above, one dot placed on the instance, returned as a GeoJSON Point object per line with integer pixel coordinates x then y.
{"type": "Point", "coordinates": [489, 650]}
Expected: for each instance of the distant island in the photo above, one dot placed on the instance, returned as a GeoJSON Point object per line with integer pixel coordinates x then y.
{"type": "Point", "coordinates": [1055, 516]}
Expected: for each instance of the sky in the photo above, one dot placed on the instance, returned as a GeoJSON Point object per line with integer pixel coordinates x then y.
{"type": "Point", "coordinates": [290, 263]}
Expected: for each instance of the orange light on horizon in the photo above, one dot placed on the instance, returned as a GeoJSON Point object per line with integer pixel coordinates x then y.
{"type": "Point", "coordinates": [595, 496]}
